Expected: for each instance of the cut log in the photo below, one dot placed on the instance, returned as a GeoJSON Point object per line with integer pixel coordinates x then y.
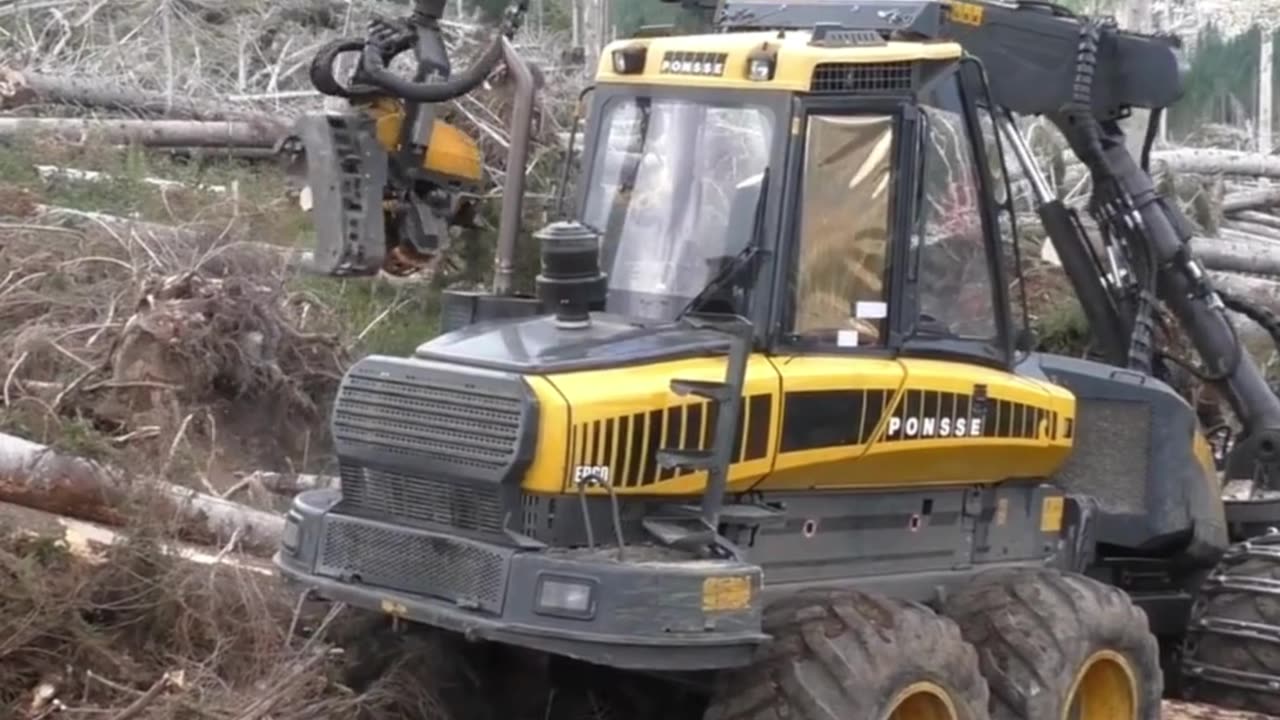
{"type": "Point", "coordinates": [53, 172]}
{"type": "Point", "coordinates": [1178, 710]}
{"type": "Point", "coordinates": [1263, 291]}
{"type": "Point", "coordinates": [1259, 218]}
{"type": "Point", "coordinates": [1251, 199]}
{"type": "Point", "coordinates": [19, 88]}
{"type": "Point", "coordinates": [1258, 257]}
{"type": "Point", "coordinates": [152, 133]}
{"type": "Point", "coordinates": [1219, 162]}
{"type": "Point", "coordinates": [1254, 229]}
{"type": "Point", "coordinates": [88, 540]}
{"type": "Point", "coordinates": [35, 476]}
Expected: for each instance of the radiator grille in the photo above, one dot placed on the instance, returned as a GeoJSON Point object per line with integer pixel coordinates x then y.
{"type": "Point", "coordinates": [868, 78]}
{"type": "Point", "coordinates": [429, 420]}
{"type": "Point", "coordinates": [398, 496]}
{"type": "Point", "coordinates": [1111, 456]}
{"type": "Point", "coordinates": [414, 561]}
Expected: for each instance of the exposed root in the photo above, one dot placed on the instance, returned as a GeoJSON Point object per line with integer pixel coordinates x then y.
{"type": "Point", "coordinates": [191, 348]}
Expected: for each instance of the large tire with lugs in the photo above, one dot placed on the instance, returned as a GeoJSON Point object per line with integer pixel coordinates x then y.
{"type": "Point", "coordinates": [846, 654]}
{"type": "Point", "coordinates": [1049, 643]}
{"type": "Point", "coordinates": [1231, 654]}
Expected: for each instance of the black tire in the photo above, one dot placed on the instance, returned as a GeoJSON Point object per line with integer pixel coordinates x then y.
{"type": "Point", "coordinates": [1232, 644]}
{"type": "Point", "coordinates": [848, 654]}
{"type": "Point", "coordinates": [1037, 630]}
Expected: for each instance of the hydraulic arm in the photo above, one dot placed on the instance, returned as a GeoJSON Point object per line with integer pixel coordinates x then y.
{"type": "Point", "coordinates": [1084, 75]}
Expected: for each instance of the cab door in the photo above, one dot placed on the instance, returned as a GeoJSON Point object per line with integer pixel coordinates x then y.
{"type": "Point", "coordinates": [895, 351]}
{"type": "Point", "coordinates": [839, 375]}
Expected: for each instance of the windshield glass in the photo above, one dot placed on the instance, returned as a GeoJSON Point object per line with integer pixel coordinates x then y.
{"type": "Point", "coordinates": [673, 190]}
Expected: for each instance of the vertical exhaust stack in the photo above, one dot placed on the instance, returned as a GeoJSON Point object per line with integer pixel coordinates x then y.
{"type": "Point", "coordinates": [571, 282]}
{"type": "Point", "coordinates": [517, 161]}
{"type": "Point", "coordinates": [467, 307]}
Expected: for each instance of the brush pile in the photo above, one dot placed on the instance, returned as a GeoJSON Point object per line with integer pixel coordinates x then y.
{"type": "Point", "coordinates": [134, 631]}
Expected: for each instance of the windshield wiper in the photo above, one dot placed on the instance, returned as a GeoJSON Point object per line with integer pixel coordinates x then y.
{"type": "Point", "coordinates": [740, 261]}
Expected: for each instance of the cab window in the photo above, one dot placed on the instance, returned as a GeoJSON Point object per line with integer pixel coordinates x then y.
{"type": "Point", "coordinates": [843, 251]}
{"type": "Point", "coordinates": [954, 289]}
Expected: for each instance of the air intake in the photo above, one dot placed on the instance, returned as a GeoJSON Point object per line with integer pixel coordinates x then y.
{"type": "Point", "coordinates": [863, 78]}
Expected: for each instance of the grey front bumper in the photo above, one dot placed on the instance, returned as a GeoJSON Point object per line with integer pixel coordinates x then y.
{"type": "Point", "coordinates": [643, 613]}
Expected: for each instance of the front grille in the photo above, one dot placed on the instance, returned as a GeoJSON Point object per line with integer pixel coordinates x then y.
{"type": "Point", "coordinates": [428, 420]}
{"type": "Point", "coordinates": [467, 573]}
{"type": "Point", "coordinates": [869, 78]}
{"type": "Point", "coordinates": [433, 420]}
{"type": "Point", "coordinates": [399, 496]}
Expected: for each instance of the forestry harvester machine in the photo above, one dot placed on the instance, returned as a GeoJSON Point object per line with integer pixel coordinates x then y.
{"type": "Point", "coordinates": [769, 428]}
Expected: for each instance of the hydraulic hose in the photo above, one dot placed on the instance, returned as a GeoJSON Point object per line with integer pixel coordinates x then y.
{"type": "Point", "coordinates": [373, 67]}
{"type": "Point", "coordinates": [373, 70]}
{"type": "Point", "coordinates": [321, 71]}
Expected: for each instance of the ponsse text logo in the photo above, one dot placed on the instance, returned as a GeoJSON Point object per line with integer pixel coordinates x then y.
{"type": "Point", "coordinates": [694, 63]}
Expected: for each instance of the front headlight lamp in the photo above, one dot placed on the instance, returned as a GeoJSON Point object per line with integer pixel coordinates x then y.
{"type": "Point", "coordinates": [566, 597]}
{"type": "Point", "coordinates": [762, 64]}
{"type": "Point", "coordinates": [630, 60]}
{"type": "Point", "coordinates": [291, 536]}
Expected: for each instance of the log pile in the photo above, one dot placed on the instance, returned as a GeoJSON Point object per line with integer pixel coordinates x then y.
{"type": "Point", "coordinates": [1232, 199]}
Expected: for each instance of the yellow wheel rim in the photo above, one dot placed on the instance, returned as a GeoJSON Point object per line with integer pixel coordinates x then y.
{"type": "Point", "coordinates": [922, 701]}
{"type": "Point", "coordinates": [1106, 688]}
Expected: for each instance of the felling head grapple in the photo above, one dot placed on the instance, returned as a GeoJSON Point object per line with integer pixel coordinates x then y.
{"type": "Point", "coordinates": [389, 179]}
{"type": "Point", "coordinates": [772, 363]}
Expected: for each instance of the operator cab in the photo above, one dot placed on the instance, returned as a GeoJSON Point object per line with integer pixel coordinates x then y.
{"type": "Point", "coordinates": [831, 187]}
{"type": "Point", "coordinates": [847, 176]}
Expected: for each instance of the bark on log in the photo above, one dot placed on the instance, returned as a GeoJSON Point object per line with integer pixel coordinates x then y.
{"type": "Point", "coordinates": [1259, 218]}
{"type": "Point", "coordinates": [35, 476]}
{"type": "Point", "coordinates": [1263, 291]}
{"type": "Point", "coordinates": [87, 540]}
{"type": "Point", "coordinates": [1262, 232]}
{"type": "Point", "coordinates": [1219, 162]}
{"type": "Point", "coordinates": [1179, 710]}
{"type": "Point", "coordinates": [152, 133]}
{"type": "Point", "coordinates": [1230, 254]}
{"type": "Point", "coordinates": [20, 88]}
{"type": "Point", "coordinates": [1251, 199]}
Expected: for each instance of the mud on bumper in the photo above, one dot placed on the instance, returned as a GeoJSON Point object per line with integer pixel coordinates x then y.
{"type": "Point", "coordinates": [644, 613]}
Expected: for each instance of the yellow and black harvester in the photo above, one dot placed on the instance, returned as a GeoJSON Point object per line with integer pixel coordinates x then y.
{"type": "Point", "coordinates": [770, 427]}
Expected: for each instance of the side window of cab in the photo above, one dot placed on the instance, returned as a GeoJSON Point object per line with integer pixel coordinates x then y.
{"type": "Point", "coordinates": [954, 288]}
{"type": "Point", "coordinates": [840, 283]}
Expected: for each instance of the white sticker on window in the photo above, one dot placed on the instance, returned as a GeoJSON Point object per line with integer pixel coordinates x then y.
{"type": "Point", "coordinates": [847, 338]}
{"type": "Point", "coordinates": [871, 310]}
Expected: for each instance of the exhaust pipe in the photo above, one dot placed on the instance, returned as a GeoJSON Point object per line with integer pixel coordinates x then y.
{"type": "Point", "coordinates": [517, 160]}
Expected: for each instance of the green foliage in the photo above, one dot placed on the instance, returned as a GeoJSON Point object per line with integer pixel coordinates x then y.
{"type": "Point", "coordinates": [1063, 330]}
{"type": "Point", "coordinates": [379, 316]}
{"type": "Point", "coordinates": [631, 15]}
{"type": "Point", "coordinates": [1221, 82]}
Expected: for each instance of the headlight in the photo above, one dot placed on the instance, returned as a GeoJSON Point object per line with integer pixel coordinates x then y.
{"type": "Point", "coordinates": [630, 60]}
{"type": "Point", "coordinates": [566, 597]}
{"type": "Point", "coordinates": [760, 69]}
{"type": "Point", "coordinates": [291, 534]}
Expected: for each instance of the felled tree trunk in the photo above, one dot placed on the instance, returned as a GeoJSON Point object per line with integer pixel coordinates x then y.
{"type": "Point", "coordinates": [1255, 229]}
{"type": "Point", "coordinates": [154, 133]}
{"type": "Point", "coordinates": [1251, 199]}
{"type": "Point", "coordinates": [35, 476]}
{"type": "Point", "coordinates": [22, 88]}
{"type": "Point", "coordinates": [1259, 218]}
{"type": "Point", "coordinates": [1219, 162]}
{"type": "Point", "coordinates": [1238, 255]}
